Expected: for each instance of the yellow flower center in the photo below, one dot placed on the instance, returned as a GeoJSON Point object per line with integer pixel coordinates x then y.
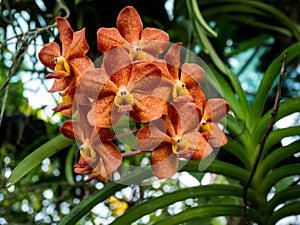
{"type": "Point", "coordinates": [178, 144]}
{"type": "Point", "coordinates": [124, 98]}
{"type": "Point", "coordinates": [204, 126]}
{"type": "Point", "coordinates": [87, 151]}
{"type": "Point", "coordinates": [136, 53]}
{"type": "Point", "coordinates": [62, 65]}
{"type": "Point", "coordinates": [179, 90]}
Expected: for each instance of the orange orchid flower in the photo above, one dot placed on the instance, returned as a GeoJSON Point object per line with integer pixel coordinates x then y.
{"type": "Point", "coordinates": [68, 62]}
{"type": "Point", "coordinates": [98, 154]}
{"type": "Point", "coordinates": [214, 110]}
{"type": "Point", "coordinates": [122, 87]}
{"type": "Point", "coordinates": [186, 78]}
{"type": "Point", "coordinates": [173, 136]}
{"type": "Point", "coordinates": [141, 43]}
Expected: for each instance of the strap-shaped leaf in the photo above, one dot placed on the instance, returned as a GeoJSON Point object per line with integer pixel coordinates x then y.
{"type": "Point", "coordinates": [165, 200]}
{"type": "Point", "coordinates": [208, 211]}
{"type": "Point", "coordinates": [286, 108]}
{"type": "Point", "coordinates": [268, 79]}
{"type": "Point", "coordinates": [277, 135]}
{"type": "Point", "coordinates": [289, 209]}
{"type": "Point", "coordinates": [278, 174]}
{"type": "Point", "coordinates": [87, 204]}
{"type": "Point", "coordinates": [283, 196]}
{"type": "Point", "coordinates": [36, 157]}
{"type": "Point", "coordinates": [274, 158]}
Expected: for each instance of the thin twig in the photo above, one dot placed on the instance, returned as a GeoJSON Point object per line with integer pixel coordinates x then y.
{"type": "Point", "coordinates": [264, 138]}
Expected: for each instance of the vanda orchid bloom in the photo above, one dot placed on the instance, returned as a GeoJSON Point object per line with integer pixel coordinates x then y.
{"type": "Point", "coordinates": [173, 136]}
{"type": "Point", "coordinates": [99, 156]}
{"type": "Point", "coordinates": [186, 78]}
{"type": "Point", "coordinates": [122, 87]}
{"type": "Point", "coordinates": [214, 110]}
{"type": "Point", "coordinates": [141, 43]}
{"type": "Point", "coordinates": [68, 63]}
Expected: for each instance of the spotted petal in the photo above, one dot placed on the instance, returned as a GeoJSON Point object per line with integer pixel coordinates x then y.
{"type": "Point", "coordinates": [130, 24]}
{"type": "Point", "coordinates": [48, 53]}
{"type": "Point", "coordinates": [66, 34]}
{"type": "Point", "coordinates": [164, 162]}
{"type": "Point", "coordinates": [154, 41]}
{"type": "Point", "coordinates": [109, 38]}
{"type": "Point", "coordinates": [215, 109]}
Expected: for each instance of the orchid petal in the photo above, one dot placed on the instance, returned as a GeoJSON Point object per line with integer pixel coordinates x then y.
{"type": "Point", "coordinates": [215, 109]}
{"type": "Point", "coordinates": [109, 38]}
{"type": "Point", "coordinates": [96, 81]}
{"type": "Point", "coordinates": [147, 109]}
{"type": "Point", "coordinates": [101, 112]}
{"type": "Point", "coordinates": [66, 34]}
{"type": "Point", "coordinates": [164, 162]}
{"type": "Point", "coordinates": [48, 53]}
{"type": "Point", "coordinates": [216, 136]}
{"type": "Point", "coordinates": [173, 60]}
{"type": "Point", "coordinates": [130, 24]}
{"type": "Point", "coordinates": [154, 41]}
{"type": "Point", "coordinates": [149, 137]}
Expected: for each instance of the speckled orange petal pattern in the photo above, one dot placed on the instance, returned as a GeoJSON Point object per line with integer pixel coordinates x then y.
{"type": "Point", "coordinates": [79, 46]}
{"type": "Point", "coordinates": [216, 136]}
{"type": "Point", "coordinates": [110, 156]}
{"type": "Point", "coordinates": [109, 38]}
{"type": "Point", "coordinates": [154, 41]}
{"type": "Point", "coordinates": [202, 150]}
{"type": "Point", "coordinates": [173, 60]}
{"type": "Point", "coordinates": [147, 109]}
{"type": "Point", "coordinates": [215, 109]}
{"type": "Point", "coordinates": [66, 34]}
{"type": "Point", "coordinates": [48, 53]}
{"type": "Point", "coordinates": [60, 84]}
{"type": "Point", "coordinates": [130, 24]}
{"type": "Point", "coordinates": [73, 130]}
{"type": "Point", "coordinates": [164, 162]}
{"type": "Point", "coordinates": [100, 114]}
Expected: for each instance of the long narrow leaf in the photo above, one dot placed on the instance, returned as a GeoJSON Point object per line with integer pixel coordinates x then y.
{"type": "Point", "coordinates": [267, 81]}
{"type": "Point", "coordinates": [36, 157]}
{"type": "Point", "coordinates": [99, 196]}
{"type": "Point", "coordinates": [286, 108]}
{"type": "Point", "coordinates": [277, 135]}
{"type": "Point", "coordinates": [275, 158]}
{"type": "Point", "coordinates": [165, 200]}
{"type": "Point", "coordinates": [278, 174]}
{"type": "Point", "coordinates": [208, 211]}
{"type": "Point", "coordinates": [283, 196]}
{"type": "Point", "coordinates": [290, 209]}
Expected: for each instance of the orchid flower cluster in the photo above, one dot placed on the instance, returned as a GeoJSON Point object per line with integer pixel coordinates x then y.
{"type": "Point", "coordinates": [161, 95]}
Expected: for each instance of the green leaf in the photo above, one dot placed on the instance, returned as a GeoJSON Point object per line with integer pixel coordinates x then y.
{"type": "Point", "coordinates": [165, 200]}
{"type": "Point", "coordinates": [275, 158]}
{"type": "Point", "coordinates": [285, 108]}
{"type": "Point", "coordinates": [269, 77]}
{"type": "Point", "coordinates": [247, 44]}
{"type": "Point", "coordinates": [136, 177]}
{"type": "Point", "coordinates": [216, 166]}
{"type": "Point", "coordinates": [238, 150]}
{"type": "Point", "coordinates": [277, 135]}
{"type": "Point", "coordinates": [204, 212]}
{"type": "Point", "coordinates": [36, 157]}
{"type": "Point", "coordinates": [198, 16]}
{"type": "Point", "coordinates": [289, 209]}
{"type": "Point", "coordinates": [278, 174]}
{"type": "Point", "coordinates": [283, 196]}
